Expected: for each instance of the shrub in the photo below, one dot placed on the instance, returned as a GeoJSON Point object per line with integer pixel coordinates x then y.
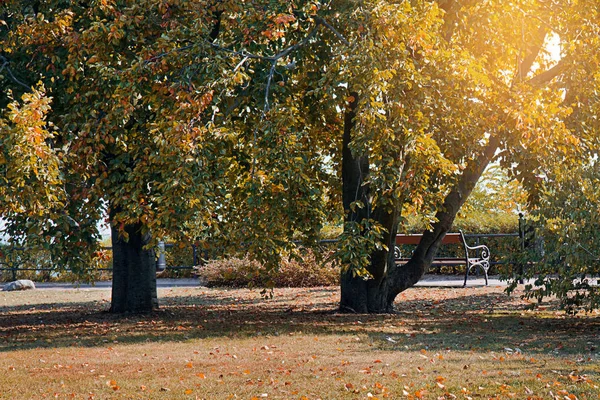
{"type": "Point", "coordinates": [308, 272]}
{"type": "Point", "coordinates": [233, 271]}
{"type": "Point", "coordinates": [568, 240]}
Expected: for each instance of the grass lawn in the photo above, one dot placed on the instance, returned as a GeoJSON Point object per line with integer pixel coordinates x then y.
{"type": "Point", "coordinates": [443, 343]}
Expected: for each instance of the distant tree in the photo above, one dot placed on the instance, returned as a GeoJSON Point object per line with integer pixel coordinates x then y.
{"type": "Point", "coordinates": [496, 193]}
{"type": "Point", "coordinates": [492, 207]}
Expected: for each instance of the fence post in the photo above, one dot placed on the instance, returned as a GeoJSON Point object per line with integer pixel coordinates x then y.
{"type": "Point", "coordinates": [520, 266]}
{"type": "Point", "coordinates": [13, 262]}
{"type": "Point", "coordinates": [161, 265]}
{"type": "Point", "coordinates": [522, 230]}
{"type": "Point", "coordinates": [194, 254]}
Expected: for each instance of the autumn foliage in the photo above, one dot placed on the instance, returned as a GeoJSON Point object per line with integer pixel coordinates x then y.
{"type": "Point", "coordinates": [259, 122]}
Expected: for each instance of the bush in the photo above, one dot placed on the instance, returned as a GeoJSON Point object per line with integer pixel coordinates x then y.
{"type": "Point", "coordinates": [308, 272]}
{"type": "Point", "coordinates": [470, 223]}
{"type": "Point", "coordinates": [565, 257]}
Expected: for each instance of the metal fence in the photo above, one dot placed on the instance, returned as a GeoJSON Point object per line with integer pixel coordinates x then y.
{"type": "Point", "coordinates": [15, 261]}
{"type": "Point", "coordinates": [518, 238]}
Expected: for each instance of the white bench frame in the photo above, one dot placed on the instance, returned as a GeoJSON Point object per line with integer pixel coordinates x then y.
{"type": "Point", "coordinates": [475, 256]}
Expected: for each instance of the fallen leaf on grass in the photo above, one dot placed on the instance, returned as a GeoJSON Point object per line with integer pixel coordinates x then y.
{"type": "Point", "coordinates": [528, 391]}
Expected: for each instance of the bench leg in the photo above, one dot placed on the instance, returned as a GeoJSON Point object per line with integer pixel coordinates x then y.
{"type": "Point", "coordinates": [485, 273]}
{"type": "Point", "coordinates": [466, 276]}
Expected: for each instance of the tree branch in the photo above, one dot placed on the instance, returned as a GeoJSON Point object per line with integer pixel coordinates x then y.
{"type": "Point", "coordinates": [4, 65]}
{"type": "Point", "coordinates": [327, 25]}
{"type": "Point", "coordinates": [273, 59]}
{"type": "Point", "coordinates": [451, 9]}
{"type": "Point", "coordinates": [524, 67]}
{"type": "Point", "coordinates": [283, 53]}
{"type": "Point", "coordinates": [166, 53]}
{"type": "Point", "coordinates": [541, 79]}
{"type": "Point", "coordinates": [268, 88]}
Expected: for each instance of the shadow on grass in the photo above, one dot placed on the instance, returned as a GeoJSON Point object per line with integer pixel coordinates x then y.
{"type": "Point", "coordinates": [483, 321]}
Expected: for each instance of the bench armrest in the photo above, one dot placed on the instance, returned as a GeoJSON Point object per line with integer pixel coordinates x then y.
{"type": "Point", "coordinates": [484, 251]}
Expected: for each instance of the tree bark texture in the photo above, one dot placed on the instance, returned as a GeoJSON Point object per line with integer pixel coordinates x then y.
{"type": "Point", "coordinates": [134, 272]}
{"type": "Point", "coordinates": [359, 295]}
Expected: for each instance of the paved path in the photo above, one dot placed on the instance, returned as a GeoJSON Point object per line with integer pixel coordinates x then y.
{"type": "Point", "coordinates": [161, 283]}
{"type": "Point", "coordinates": [458, 280]}
{"type": "Point", "coordinates": [427, 281]}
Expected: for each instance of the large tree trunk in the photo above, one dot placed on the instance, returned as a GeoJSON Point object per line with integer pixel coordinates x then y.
{"type": "Point", "coordinates": [357, 294]}
{"type": "Point", "coordinates": [134, 272]}
{"type": "Point", "coordinates": [371, 296]}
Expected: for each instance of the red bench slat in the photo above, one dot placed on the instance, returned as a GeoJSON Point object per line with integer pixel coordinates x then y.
{"type": "Point", "coordinates": [450, 238]}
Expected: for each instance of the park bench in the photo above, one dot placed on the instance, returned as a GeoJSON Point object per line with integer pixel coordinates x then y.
{"type": "Point", "coordinates": [475, 256]}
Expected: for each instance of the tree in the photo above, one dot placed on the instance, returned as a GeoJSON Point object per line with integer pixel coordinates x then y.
{"type": "Point", "coordinates": [157, 112]}
{"type": "Point", "coordinates": [478, 90]}
{"type": "Point", "coordinates": [116, 136]}
{"type": "Point", "coordinates": [567, 251]}
{"type": "Point", "coordinates": [251, 122]}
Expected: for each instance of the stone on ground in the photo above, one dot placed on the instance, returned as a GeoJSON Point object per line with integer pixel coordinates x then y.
{"type": "Point", "coordinates": [21, 284]}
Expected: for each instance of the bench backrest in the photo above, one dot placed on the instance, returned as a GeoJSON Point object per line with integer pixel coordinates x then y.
{"type": "Point", "coordinates": [450, 238]}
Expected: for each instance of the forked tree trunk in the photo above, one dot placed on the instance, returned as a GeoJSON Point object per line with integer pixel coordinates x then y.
{"type": "Point", "coordinates": [377, 295]}
{"type": "Point", "coordinates": [134, 272]}
{"type": "Point", "coordinates": [359, 295]}
{"type": "Point", "coordinates": [404, 276]}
